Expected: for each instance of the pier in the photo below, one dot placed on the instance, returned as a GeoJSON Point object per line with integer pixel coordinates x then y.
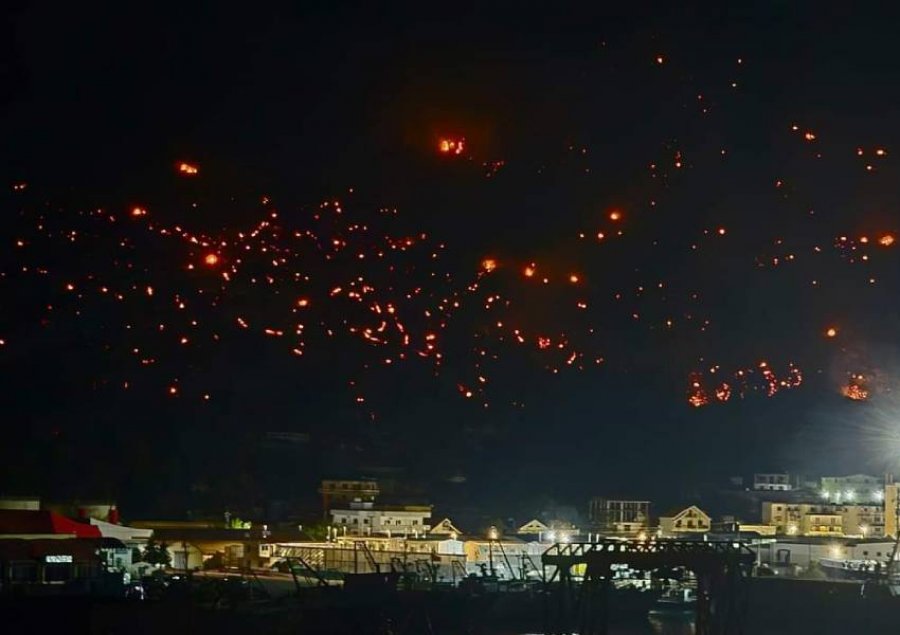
{"type": "Point", "coordinates": [582, 607]}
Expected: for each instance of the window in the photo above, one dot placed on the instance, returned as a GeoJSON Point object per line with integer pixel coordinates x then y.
{"type": "Point", "coordinates": [678, 523]}
{"type": "Point", "coordinates": [398, 522]}
{"type": "Point", "coordinates": [365, 521]}
{"type": "Point", "coordinates": [57, 572]}
{"type": "Point", "coordinates": [356, 521]}
{"type": "Point", "coordinates": [415, 522]}
{"type": "Point", "coordinates": [344, 521]}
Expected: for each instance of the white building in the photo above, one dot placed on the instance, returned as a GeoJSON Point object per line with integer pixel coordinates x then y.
{"type": "Point", "coordinates": [773, 482]}
{"type": "Point", "coordinates": [363, 518]}
{"type": "Point", "coordinates": [806, 553]}
{"type": "Point", "coordinates": [854, 488]}
{"type": "Point", "coordinates": [510, 557]}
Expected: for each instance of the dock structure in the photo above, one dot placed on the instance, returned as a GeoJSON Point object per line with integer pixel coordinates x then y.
{"type": "Point", "coordinates": [721, 569]}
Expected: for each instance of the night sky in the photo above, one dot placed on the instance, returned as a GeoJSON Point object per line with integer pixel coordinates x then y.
{"type": "Point", "coordinates": [663, 254]}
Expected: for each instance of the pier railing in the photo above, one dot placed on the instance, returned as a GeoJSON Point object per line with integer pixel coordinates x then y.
{"type": "Point", "coordinates": [579, 603]}
{"type": "Point", "coordinates": [626, 550]}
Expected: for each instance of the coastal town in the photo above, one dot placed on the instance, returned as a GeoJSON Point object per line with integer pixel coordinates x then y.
{"type": "Point", "coordinates": [831, 527]}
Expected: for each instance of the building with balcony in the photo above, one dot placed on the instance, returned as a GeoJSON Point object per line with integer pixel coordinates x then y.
{"type": "Point", "coordinates": [820, 523]}
{"type": "Point", "coordinates": [891, 509]}
{"type": "Point", "coordinates": [339, 493]}
{"type": "Point", "coordinates": [773, 482]}
{"type": "Point", "coordinates": [367, 519]}
{"type": "Point", "coordinates": [855, 488]}
{"type": "Point", "coordinates": [824, 519]}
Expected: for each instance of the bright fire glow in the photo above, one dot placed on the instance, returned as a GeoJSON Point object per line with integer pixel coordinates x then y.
{"type": "Point", "coordinates": [452, 146]}
{"type": "Point", "coordinates": [856, 389]}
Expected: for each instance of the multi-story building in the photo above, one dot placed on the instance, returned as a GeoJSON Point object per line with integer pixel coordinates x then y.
{"type": "Point", "coordinates": [338, 493]}
{"type": "Point", "coordinates": [363, 518]}
{"type": "Point", "coordinates": [689, 520]}
{"type": "Point", "coordinates": [891, 509]}
{"type": "Point", "coordinates": [820, 523]}
{"type": "Point", "coordinates": [867, 521]}
{"type": "Point", "coordinates": [855, 488]}
{"type": "Point", "coordinates": [775, 482]}
{"type": "Point", "coordinates": [824, 519]}
{"type": "Point", "coordinates": [785, 517]}
{"type": "Point", "coordinates": [620, 517]}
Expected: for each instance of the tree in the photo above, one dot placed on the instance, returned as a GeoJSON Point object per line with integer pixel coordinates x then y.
{"type": "Point", "coordinates": [157, 554]}
{"type": "Point", "coordinates": [316, 531]}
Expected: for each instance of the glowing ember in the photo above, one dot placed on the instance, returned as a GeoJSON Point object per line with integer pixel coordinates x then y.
{"type": "Point", "coordinates": [745, 380]}
{"type": "Point", "coordinates": [886, 241]}
{"type": "Point", "coordinates": [831, 332]}
{"type": "Point", "coordinates": [488, 264]}
{"type": "Point", "coordinates": [452, 146]}
{"type": "Point", "coordinates": [856, 389]}
{"type": "Point", "coordinates": [187, 168]}
{"type": "Point", "coordinates": [211, 259]}
{"type": "Point", "coordinates": [615, 215]}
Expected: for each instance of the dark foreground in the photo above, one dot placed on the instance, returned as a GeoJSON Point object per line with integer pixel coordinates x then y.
{"type": "Point", "coordinates": [775, 607]}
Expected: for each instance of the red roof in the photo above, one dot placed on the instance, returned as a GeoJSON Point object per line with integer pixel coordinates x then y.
{"type": "Point", "coordinates": [20, 521]}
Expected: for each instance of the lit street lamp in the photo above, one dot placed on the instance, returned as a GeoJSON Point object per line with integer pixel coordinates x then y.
{"type": "Point", "coordinates": [492, 536]}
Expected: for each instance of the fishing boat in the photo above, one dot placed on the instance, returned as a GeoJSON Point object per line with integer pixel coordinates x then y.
{"type": "Point", "coordinates": [859, 570]}
{"type": "Point", "coordinates": [676, 602]}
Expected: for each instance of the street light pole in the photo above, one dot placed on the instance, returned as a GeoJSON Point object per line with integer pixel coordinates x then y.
{"type": "Point", "coordinates": [491, 556]}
